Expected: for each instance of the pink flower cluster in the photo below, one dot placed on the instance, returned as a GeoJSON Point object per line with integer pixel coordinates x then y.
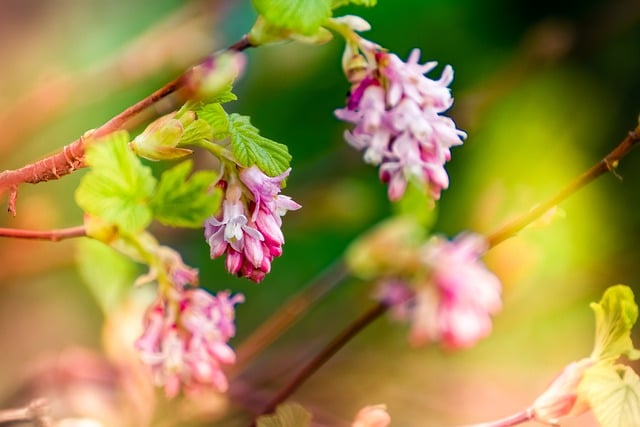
{"type": "Point", "coordinates": [397, 111]}
{"type": "Point", "coordinates": [455, 301]}
{"type": "Point", "coordinates": [248, 229]}
{"type": "Point", "coordinates": [185, 339]}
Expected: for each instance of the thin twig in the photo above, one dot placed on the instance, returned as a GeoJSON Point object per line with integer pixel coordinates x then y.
{"type": "Point", "coordinates": [321, 358]}
{"type": "Point", "coordinates": [510, 421]}
{"type": "Point", "coordinates": [52, 235]}
{"type": "Point", "coordinates": [608, 164]}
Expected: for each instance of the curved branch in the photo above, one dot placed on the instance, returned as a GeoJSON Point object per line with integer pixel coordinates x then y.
{"type": "Point", "coordinates": [52, 235]}
{"type": "Point", "coordinates": [321, 358]}
{"type": "Point", "coordinates": [608, 164]}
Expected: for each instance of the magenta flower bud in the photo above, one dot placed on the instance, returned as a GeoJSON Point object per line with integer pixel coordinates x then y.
{"type": "Point", "coordinates": [234, 261]}
{"type": "Point", "coordinates": [248, 230]}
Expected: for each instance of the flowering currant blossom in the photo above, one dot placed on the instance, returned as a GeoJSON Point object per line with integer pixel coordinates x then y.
{"type": "Point", "coordinates": [248, 229]}
{"type": "Point", "coordinates": [397, 111]}
{"type": "Point", "coordinates": [454, 299]}
{"type": "Point", "coordinates": [185, 339]}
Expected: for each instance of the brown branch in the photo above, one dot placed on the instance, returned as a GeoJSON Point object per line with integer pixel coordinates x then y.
{"type": "Point", "coordinates": [71, 157]}
{"type": "Point", "coordinates": [52, 235]}
{"type": "Point", "coordinates": [291, 311]}
{"type": "Point", "coordinates": [35, 412]}
{"type": "Point", "coordinates": [608, 164]}
{"type": "Point", "coordinates": [321, 358]}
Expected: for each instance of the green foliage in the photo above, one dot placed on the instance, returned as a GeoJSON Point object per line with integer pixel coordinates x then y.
{"type": "Point", "coordinates": [613, 393]}
{"type": "Point", "coordinates": [196, 131]}
{"type": "Point", "coordinates": [286, 415]}
{"type": "Point", "coordinates": [225, 95]}
{"type": "Point", "coordinates": [107, 273]}
{"type": "Point", "coordinates": [185, 202]}
{"type": "Point", "coordinates": [214, 115]}
{"type": "Point", "coordinates": [300, 16]}
{"type": "Point", "coordinates": [616, 313]}
{"type": "Point", "coordinates": [118, 187]}
{"type": "Point", "coordinates": [250, 148]}
{"type": "Point", "coordinates": [339, 3]}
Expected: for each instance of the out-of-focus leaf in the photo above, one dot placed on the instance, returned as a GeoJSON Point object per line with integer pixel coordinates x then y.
{"type": "Point", "coordinates": [287, 415]}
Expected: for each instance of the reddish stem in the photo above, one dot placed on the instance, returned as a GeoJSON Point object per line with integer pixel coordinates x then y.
{"type": "Point", "coordinates": [52, 235]}
{"type": "Point", "coordinates": [512, 420]}
{"type": "Point", "coordinates": [71, 157]}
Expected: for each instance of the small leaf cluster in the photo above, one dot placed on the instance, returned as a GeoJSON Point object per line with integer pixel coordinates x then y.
{"type": "Point", "coordinates": [296, 19]}
{"type": "Point", "coordinates": [121, 190]}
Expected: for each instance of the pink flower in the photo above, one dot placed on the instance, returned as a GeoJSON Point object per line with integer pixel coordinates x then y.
{"type": "Point", "coordinates": [249, 229]}
{"type": "Point", "coordinates": [397, 112]}
{"type": "Point", "coordinates": [185, 340]}
{"type": "Point", "coordinates": [454, 298]}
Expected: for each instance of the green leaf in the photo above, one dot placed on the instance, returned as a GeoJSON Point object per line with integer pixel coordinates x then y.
{"type": "Point", "coordinates": [616, 313]}
{"type": "Point", "coordinates": [118, 187]}
{"type": "Point", "coordinates": [339, 3]}
{"type": "Point", "coordinates": [215, 116]}
{"type": "Point", "coordinates": [287, 415]}
{"type": "Point", "coordinates": [108, 274]}
{"type": "Point", "coordinates": [250, 148]}
{"type": "Point", "coordinates": [613, 393]}
{"type": "Point", "coordinates": [225, 95]}
{"type": "Point", "coordinates": [301, 16]}
{"type": "Point", "coordinates": [196, 131]}
{"type": "Point", "coordinates": [185, 202]}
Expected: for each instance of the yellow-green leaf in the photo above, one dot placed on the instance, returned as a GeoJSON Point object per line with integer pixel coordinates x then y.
{"type": "Point", "coordinates": [613, 393]}
{"type": "Point", "coordinates": [616, 313]}
{"type": "Point", "coordinates": [287, 415]}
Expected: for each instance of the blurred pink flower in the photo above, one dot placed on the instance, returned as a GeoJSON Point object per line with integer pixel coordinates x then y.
{"type": "Point", "coordinates": [453, 299]}
{"type": "Point", "coordinates": [397, 112]}
{"type": "Point", "coordinates": [185, 340]}
{"type": "Point", "coordinates": [248, 230]}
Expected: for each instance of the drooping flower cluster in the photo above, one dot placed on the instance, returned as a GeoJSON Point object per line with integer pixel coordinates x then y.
{"type": "Point", "coordinates": [397, 111]}
{"type": "Point", "coordinates": [185, 339]}
{"type": "Point", "coordinates": [454, 300]}
{"type": "Point", "coordinates": [248, 229]}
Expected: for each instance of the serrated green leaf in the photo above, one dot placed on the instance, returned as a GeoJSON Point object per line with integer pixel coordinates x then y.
{"type": "Point", "coordinates": [225, 95]}
{"type": "Point", "coordinates": [215, 116]}
{"type": "Point", "coordinates": [185, 202]}
{"type": "Point", "coordinates": [339, 3]}
{"type": "Point", "coordinates": [613, 393]}
{"type": "Point", "coordinates": [616, 313]}
{"type": "Point", "coordinates": [250, 148]}
{"type": "Point", "coordinates": [118, 187]}
{"type": "Point", "coordinates": [108, 274]}
{"type": "Point", "coordinates": [301, 16]}
{"type": "Point", "coordinates": [287, 415]}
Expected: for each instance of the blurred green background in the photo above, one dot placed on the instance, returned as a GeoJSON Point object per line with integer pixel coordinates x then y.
{"type": "Point", "coordinates": [543, 88]}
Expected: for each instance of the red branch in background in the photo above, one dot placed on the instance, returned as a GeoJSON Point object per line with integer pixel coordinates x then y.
{"type": "Point", "coordinates": [71, 157]}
